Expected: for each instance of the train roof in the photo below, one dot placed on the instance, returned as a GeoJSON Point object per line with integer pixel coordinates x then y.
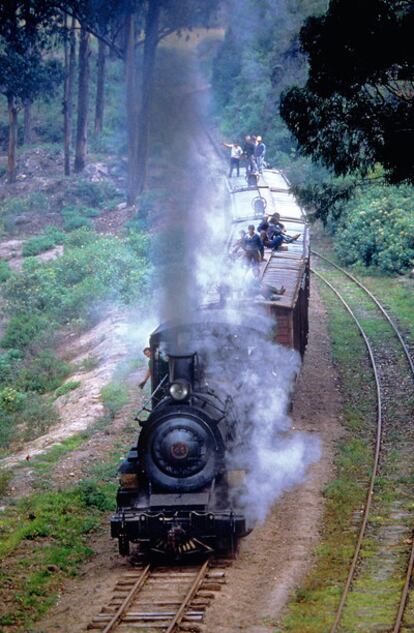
{"type": "Point", "coordinates": [286, 265]}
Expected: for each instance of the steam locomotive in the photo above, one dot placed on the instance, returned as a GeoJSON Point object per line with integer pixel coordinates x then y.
{"type": "Point", "coordinates": [181, 489]}
{"type": "Point", "coordinates": [178, 494]}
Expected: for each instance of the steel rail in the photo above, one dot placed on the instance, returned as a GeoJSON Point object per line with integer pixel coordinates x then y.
{"type": "Point", "coordinates": [377, 303]}
{"type": "Point", "coordinates": [193, 589]}
{"type": "Point", "coordinates": [406, 588]}
{"type": "Point", "coordinates": [368, 501]}
{"type": "Point", "coordinates": [127, 601]}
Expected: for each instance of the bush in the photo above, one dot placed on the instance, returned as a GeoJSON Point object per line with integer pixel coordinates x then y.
{"type": "Point", "coordinates": [25, 329]}
{"type": "Point", "coordinates": [36, 202]}
{"type": "Point", "coordinates": [9, 364]}
{"type": "Point", "coordinates": [73, 218]}
{"type": "Point", "coordinates": [94, 495]}
{"type": "Point", "coordinates": [57, 235]}
{"type": "Point", "coordinates": [5, 271]}
{"type": "Point", "coordinates": [43, 373]}
{"type": "Point", "coordinates": [67, 387]}
{"type": "Point", "coordinates": [114, 397]}
{"type": "Point", "coordinates": [91, 194]}
{"type": "Point", "coordinates": [37, 416]}
{"type": "Point", "coordinates": [37, 245]}
{"type": "Point", "coordinates": [377, 229]}
{"type": "Point", "coordinates": [11, 400]}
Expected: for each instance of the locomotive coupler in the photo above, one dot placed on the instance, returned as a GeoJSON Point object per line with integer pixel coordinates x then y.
{"type": "Point", "coordinates": [175, 537]}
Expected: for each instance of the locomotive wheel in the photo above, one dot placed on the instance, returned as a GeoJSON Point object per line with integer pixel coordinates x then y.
{"type": "Point", "coordinates": [123, 545]}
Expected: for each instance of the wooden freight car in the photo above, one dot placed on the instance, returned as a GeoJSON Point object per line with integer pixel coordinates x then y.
{"type": "Point", "coordinates": [288, 266]}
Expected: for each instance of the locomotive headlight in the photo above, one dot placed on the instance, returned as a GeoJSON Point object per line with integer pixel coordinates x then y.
{"type": "Point", "coordinates": [179, 390]}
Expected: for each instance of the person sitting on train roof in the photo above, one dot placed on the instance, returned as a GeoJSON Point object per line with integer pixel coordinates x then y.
{"type": "Point", "coordinates": [278, 239]}
{"type": "Point", "coordinates": [147, 352]}
{"type": "Point", "coordinates": [252, 246]}
{"type": "Point", "coordinates": [235, 156]}
{"type": "Point", "coordinates": [264, 224]}
{"type": "Point", "coordinates": [259, 153]}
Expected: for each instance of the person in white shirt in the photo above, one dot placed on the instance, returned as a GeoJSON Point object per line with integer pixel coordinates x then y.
{"type": "Point", "coordinates": [235, 156]}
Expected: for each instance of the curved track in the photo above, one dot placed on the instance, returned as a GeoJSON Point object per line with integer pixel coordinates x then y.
{"type": "Point", "coordinates": [160, 599]}
{"type": "Point", "coordinates": [398, 622]}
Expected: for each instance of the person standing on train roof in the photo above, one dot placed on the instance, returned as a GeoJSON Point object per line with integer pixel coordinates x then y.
{"type": "Point", "coordinates": [252, 246]}
{"type": "Point", "coordinates": [235, 157]}
{"type": "Point", "coordinates": [248, 153]}
{"type": "Point", "coordinates": [147, 352]}
{"type": "Point", "coordinates": [259, 152]}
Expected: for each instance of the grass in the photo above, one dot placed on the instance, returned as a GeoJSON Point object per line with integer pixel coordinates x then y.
{"type": "Point", "coordinates": [45, 537]}
{"type": "Point", "coordinates": [313, 608]}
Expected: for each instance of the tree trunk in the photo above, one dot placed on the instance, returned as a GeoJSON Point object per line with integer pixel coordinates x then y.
{"type": "Point", "coordinates": [150, 49]}
{"type": "Point", "coordinates": [11, 155]}
{"type": "Point", "coordinates": [131, 76]}
{"type": "Point", "coordinates": [100, 94]}
{"type": "Point", "coordinates": [27, 128]}
{"type": "Point", "coordinates": [83, 101]}
{"type": "Point", "coordinates": [70, 53]}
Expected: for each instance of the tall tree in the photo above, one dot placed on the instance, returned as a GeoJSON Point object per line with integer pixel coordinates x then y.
{"type": "Point", "coordinates": [162, 18]}
{"type": "Point", "coordinates": [25, 28]}
{"type": "Point", "coordinates": [357, 107]}
{"type": "Point", "coordinates": [70, 54]}
{"type": "Point", "coordinates": [83, 102]}
{"type": "Point", "coordinates": [100, 87]}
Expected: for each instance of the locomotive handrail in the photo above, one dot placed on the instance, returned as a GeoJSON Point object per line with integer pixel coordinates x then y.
{"type": "Point", "coordinates": [150, 398]}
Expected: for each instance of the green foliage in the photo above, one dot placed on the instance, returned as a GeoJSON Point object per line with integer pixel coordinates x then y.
{"type": "Point", "coordinates": [47, 295]}
{"type": "Point", "coordinates": [25, 329]}
{"type": "Point", "coordinates": [355, 108]}
{"type": "Point", "coordinates": [259, 58]}
{"type": "Point", "coordinates": [92, 268]}
{"type": "Point", "coordinates": [5, 478]}
{"type": "Point", "coordinates": [89, 194]}
{"type": "Point", "coordinates": [33, 416]}
{"type": "Point", "coordinates": [35, 202]}
{"type": "Point", "coordinates": [377, 229]}
{"type": "Point", "coordinates": [74, 220]}
{"type": "Point", "coordinates": [11, 400]}
{"type": "Point", "coordinates": [322, 196]}
{"type": "Point", "coordinates": [42, 373]}
{"type": "Point", "coordinates": [37, 245]}
{"type": "Point", "coordinates": [114, 397]}
{"type": "Point", "coordinates": [67, 387]}
{"type": "Point", "coordinates": [5, 271]}
{"type": "Point", "coordinates": [54, 233]}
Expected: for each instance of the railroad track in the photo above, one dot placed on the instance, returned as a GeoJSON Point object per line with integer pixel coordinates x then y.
{"type": "Point", "coordinates": [380, 376]}
{"type": "Point", "coordinates": [167, 599]}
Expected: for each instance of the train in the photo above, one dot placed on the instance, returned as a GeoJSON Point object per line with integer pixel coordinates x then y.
{"type": "Point", "coordinates": [180, 484]}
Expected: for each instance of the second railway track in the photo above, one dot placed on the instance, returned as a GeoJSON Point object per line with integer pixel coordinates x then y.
{"type": "Point", "coordinates": [381, 552]}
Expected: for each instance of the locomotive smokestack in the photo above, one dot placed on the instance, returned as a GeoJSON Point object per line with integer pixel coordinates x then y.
{"type": "Point", "coordinates": [182, 367]}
